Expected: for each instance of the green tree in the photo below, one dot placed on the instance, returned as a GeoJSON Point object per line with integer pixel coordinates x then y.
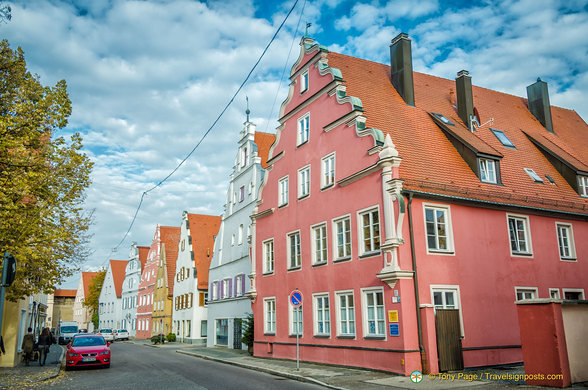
{"type": "Point", "coordinates": [92, 300]}
{"type": "Point", "coordinates": [43, 179]}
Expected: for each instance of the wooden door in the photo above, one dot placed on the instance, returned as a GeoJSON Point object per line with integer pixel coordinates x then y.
{"type": "Point", "coordinates": [448, 339]}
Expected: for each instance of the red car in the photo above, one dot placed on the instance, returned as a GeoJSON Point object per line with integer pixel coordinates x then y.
{"type": "Point", "coordinates": [87, 350]}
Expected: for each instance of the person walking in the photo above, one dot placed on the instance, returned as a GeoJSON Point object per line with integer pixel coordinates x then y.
{"type": "Point", "coordinates": [28, 343]}
{"type": "Point", "coordinates": [45, 341]}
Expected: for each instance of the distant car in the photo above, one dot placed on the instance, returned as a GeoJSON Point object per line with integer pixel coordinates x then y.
{"type": "Point", "coordinates": [83, 331]}
{"type": "Point", "coordinates": [121, 334]}
{"type": "Point", "coordinates": [108, 334]}
{"type": "Point", "coordinates": [87, 350]}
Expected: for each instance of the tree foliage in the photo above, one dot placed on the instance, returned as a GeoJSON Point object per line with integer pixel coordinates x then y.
{"type": "Point", "coordinates": [43, 179]}
{"type": "Point", "coordinates": [91, 301]}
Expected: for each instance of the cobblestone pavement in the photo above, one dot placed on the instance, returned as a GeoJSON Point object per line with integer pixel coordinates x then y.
{"type": "Point", "coordinates": [27, 377]}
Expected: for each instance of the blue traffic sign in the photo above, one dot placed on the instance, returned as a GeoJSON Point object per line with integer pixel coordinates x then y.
{"type": "Point", "coordinates": [296, 298]}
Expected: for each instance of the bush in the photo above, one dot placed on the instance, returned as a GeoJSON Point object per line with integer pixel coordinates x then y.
{"type": "Point", "coordinates": [158, 338]}
{"type": "Point", "coordinates": [171, 337]}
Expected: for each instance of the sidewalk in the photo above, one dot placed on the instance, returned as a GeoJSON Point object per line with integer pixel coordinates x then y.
{"type": "Point", "coordinates": [22, 376]}
{"type": "Point", "coordinates": [334, 377]}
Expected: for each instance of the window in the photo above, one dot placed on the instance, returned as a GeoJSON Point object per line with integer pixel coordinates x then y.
{"type": "Point", "coordinates": [303, 128]}
{"type": "Point", "coordinates": [244, 156]}
{"type": "Point", "coordinates": [525, 293]}
{"type": "Point", "coordinates": [296, 320]}
{"type": "Point", "coordinates": [283, 191]}
{"type": "Point", "coordinates": [438, 228]}
{"type": "Point", "coordinates": [346, 314]}
{"type": "Point", "coordinates": [319, 244]}
{"type": "Point", "coordinates": [370, 231]}
{"type": "Point", "coordinates": [342, 238]}
{"type": "Point", "coordinates": [222, 332]}
{"type": "Point", "coordinates": [518, 230]}
{"type": "Point", "coordinates": [328, 171]}
{"type": "Point", "coordinates": [269, 315]}
{"type": "Point", "coordinates": [445, 299]}
{"type": "Point", "coordinates": [573, 293]}
{"type": "Point", "coordinates": [443, 119]}
{"type": "Point", "coordinates": [304, 82]}
{"type": "Point", "coordinates": [239, 282]}
{"type": "Point", "coordinates": [373, 313]}
{"type": "Point", "coordinates": [304, 182]}
{"type": "Point", "coordinates": [503, 138]}
{"type": "Point", "coordinates": [203, 328]}
{"type": "Point", "coordinates": [533, 175]}
{"type": "Point", "coordinates": [242, 194]}
{"type": "Point", "coordinates": [565, 239]}
{"type": "Point", "coordinates": [268, 256]}
{"type": "Point", "coordinates": [240, 235]}
{"type": "Point", "coordinates": [294, 256]}
{"type": "Point", "coordinates": [226, 288]}
{"type": "Point", "coordinates": [214, 291]}
{"type": "Point", "coordinates": [583, 185]}
{"type": "Point", "coordinates": [488, 171]}
{"type": "Point", "coordinates": [322, 316]}
{"type": "Point", "coordinates": [554, 293]}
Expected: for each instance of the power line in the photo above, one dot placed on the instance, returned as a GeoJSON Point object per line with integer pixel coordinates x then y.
{"type": "Point", "coordinates": [209, 129]}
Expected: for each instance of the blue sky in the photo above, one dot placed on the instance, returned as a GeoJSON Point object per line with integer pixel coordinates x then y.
{"type": "Point", "coordinates": [147, 79]}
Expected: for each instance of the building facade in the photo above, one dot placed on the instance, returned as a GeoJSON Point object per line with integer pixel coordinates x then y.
{"type": "Point", "coordinates": [190, 292]}
{"type": "Point", "coordinates": [130, 289]}
{"type": "Point", "coordinates": [63, 306]}
{"type": "Point", "coordinates": [231, 264]}
{"type": "Point", "coordinates": [404, 206]}
{"type": "Point", "coordinates": [145, 292]}
{"type": "Point", "coordinates": [81, 314]}
{"type": "Point", "coordinates": [110, 300]}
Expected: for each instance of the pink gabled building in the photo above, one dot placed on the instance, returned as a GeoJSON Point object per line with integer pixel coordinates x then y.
{"type": "Point", "coordinates": [412, 212]}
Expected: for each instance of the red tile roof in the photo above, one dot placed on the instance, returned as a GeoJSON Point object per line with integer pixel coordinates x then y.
{"type": "Point", "coordinates": [263, 141]}
{"type": "Point", "coordinates": [65, 293]}
{"type": "Point", "coordinates": [118, 268]}
{"type": "Point", "coordinates": [143, 253]}
{"type": "Point", "coordinates": [170, 239]}
{"type": "Point", "coordinates": [87, 278]}
{"type": "Point", "coordinates": [203, 229]}
{"type": "Point", "coordinates": [431, 164]}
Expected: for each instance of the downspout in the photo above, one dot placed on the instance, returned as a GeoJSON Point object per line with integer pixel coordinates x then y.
{"type": "Point", "coordinates": [424, 363]}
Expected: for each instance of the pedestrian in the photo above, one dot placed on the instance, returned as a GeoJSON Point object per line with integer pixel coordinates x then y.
{"type": "Point", "coordinates": [45, 341]}
{"type": "Point", "coordinates": [28, 342]}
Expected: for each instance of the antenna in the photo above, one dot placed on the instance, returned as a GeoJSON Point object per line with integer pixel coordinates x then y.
{"type": "Point", "coordinates": [474, 124]}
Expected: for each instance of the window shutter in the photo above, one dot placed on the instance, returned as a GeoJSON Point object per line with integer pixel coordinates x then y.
{"type": "Point", "coordinates": [243, 284]}
{"type": "Point", "coordinates": [201, 299]}
{"type": "Point", "coordinates": [220, 289]}
{"type": "Point", "coordinates": [191, 299]}
{"type": "Point", "coordinates": [211, 292]}
{"type": "Point", "coordinates": [229, 289]}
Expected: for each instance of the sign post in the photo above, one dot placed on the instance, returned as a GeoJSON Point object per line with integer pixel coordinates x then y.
{"type": "Point", "coordinates": [8, 275]}
{"type": "Point", "coordinates": [296, 301]}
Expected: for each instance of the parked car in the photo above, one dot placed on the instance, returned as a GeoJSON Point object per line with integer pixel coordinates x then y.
{"type": "Point", "coordinates": [87, 350]}
{"type": "Point", "coordinates": [121, 334]}
{"type": "Point", "coordinates": [108, 334]}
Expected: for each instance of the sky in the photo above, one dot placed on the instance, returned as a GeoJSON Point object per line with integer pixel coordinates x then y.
{"type": "Point", "coordinates": [147, 79]}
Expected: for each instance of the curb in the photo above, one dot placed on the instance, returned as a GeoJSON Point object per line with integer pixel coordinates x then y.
{"type": "Point", "coordinates": [58, 367]}
{"type": "Point", "coordinates": [288, 375]}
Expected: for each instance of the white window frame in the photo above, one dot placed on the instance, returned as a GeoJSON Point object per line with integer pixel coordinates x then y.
{"type": "Point", "coordinates": [296, 320]}
{"type": "Point", "coordinates": [328, 171]}
{"type": "Point", "coordinates": [297, 264]}
{"type": "Point", "coordinates": [321, 315]}
{"type": "Point", "coordinates": [583, 185]}
{"type": "Point", "coordinates": [304, 82]}
{"type": "Point", "coordinates": [348, 321]}
{"type": "Point", "coordinates": [533, 175]}
{"type": "Point", "coordinates": [571, 247]}
{"type": "Point", "coordinates": [527, 232]}
{"type": "Point", "coordinates": [268, 261]}
{"type": "Point", "coordinates": [488, 171]}
{"type": "Point", "coordinates": [303, 130]}
{"type": "Point", "coordinates": [448, 229]}
{"type": "Point", "coordinates": [214, 292]}
{"type": "Point", "coordinates": [238, 285]}
{"type": "Point", "coordinates": [457, 299]}
{"type": "Point", "coordinates": [573, 290]}
{"type": "Point", "coordinates": [269, 315]}
{"type": "Point", "coordinates": [347, 252]}
{"type": "Point", "coordinates": [240, 235]}
{"type": "Point", "coordinates": [361, 232]}
{"type": "Point", "coordinates": [319, 249]}
{"type": "Point", "coordinates": [526, 290]}
{"type": "Point", "coordinates": [304, 182]}
{"type": "Point", "coordinates": [365, 315]}
{"type": "Point", "coordinates": [556, 291]}
{"type": "Point", "coordinates": [244, 156]}
{"type": "Point", "coordinates": [283, 191]}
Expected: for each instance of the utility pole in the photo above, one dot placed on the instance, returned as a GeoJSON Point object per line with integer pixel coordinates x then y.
{"type": "Point", "coordinates": [8, 274]}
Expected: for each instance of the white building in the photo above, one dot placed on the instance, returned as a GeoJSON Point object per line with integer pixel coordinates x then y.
{"type": "Point", "coordinates": [130, 287]}
{"type": "Point", "coordinates": [110, 300]}
{"type": "Point", "coordinates": [81, 314]}
{"type": "Point", "coordinates": [190, 290]}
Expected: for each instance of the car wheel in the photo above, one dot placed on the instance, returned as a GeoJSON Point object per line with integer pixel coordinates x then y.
{"type": "Point", "coordinates": [107, 366]}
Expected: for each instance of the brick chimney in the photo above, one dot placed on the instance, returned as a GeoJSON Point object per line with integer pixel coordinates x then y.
{"type": "Point", "coordinates": [465, 98]}
{"type": "Point", "coordinates": [539, 106]}
{"type": "Point", "coordinates": [401, 67]}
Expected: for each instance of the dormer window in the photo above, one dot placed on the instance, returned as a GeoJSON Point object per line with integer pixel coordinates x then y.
{"type": "Point", "coordinates": [583, 185]}
{"type": "Point", "coordinates": [304, 82]}
{"type": "Point", "coordinates": [488, 171]}
{"type": "Point", "coordinates": [533, 175]}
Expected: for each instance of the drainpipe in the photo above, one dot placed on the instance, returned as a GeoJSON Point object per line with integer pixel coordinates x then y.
{"type": "Point", "coordinates": [424, 364]}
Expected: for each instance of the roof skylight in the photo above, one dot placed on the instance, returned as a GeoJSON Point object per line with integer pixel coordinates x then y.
{"type": "Point", "coordinates": [550, 179]}
{"type": "Point", "coordinates": [443, 119]}
{"type": "Point", "coordinates": [503, 138]}
{"type": "Point", "coordinates": [533, 175]}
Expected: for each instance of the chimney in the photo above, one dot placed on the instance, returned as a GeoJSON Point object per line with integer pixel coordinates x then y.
{"type": "Point", "coordinates": [465, 98]}
{"type": "Point", "coordinates": [539, 106]}
{"type": "Point", "coordinates": [401, 67]}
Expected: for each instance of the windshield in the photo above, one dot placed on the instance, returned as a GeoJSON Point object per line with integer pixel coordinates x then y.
{"type": "Point", "coordinates": [121, 330]}
{"type": "Point", "coordinates": [88, 341]}
{"type": "Point", "coordinates": [69, 329]}
{"type": "Point", "coordinates": [105, 330]}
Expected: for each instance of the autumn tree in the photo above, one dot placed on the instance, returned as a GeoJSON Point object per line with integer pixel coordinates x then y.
{"type": "Point", "coordinates": [92, 300]}
{"type": "Point", "coordinates": [43, 179]}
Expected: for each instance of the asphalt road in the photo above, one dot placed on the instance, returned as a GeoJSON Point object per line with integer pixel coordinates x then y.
{"type": "Point", "coordinates": [143, 367]}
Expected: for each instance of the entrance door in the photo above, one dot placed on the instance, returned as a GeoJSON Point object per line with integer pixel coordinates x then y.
{"type": "Point", "coordinates": [448, 339]}
{"type": "Point", "coordinates": [237, 333]}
